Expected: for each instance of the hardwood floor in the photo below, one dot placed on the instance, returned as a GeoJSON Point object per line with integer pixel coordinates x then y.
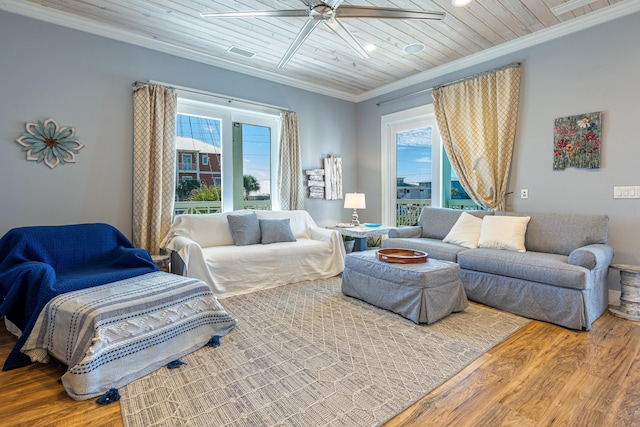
{"type": "Point", "coordinates": [542, 375]}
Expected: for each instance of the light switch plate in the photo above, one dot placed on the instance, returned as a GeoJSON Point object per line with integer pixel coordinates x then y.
{"type": "Point", "coordinates": [626, 192]}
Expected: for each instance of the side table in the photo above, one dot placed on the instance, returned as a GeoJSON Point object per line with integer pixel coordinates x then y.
{"type": "Point", "coordinates": [629, 307]}
{"type": "Point", "coordinates": [360, 233]}
{"type": "Point", "coordinates": [163, 262]}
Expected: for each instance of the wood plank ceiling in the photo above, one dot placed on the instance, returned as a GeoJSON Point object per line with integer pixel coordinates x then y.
{"type": "Point", "coordinates": [324, 61]}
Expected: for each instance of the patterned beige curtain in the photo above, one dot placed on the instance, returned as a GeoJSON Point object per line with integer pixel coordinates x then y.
{"type": "Point", "coordinates": [477, 121]}
{"type": "Point", "coordinates": [154, 163]}
{"type": "Point", "coordinates": [290, 164]}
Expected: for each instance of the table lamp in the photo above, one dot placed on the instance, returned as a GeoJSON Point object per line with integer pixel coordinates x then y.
{"type": "Point", "coordinates": [354, 201]}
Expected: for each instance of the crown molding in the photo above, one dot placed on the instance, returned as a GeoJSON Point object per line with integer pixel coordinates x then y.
{"type": "Point", "coordinates": [578, 24]}
{"type": "Point", "coordinates": [53, 16]}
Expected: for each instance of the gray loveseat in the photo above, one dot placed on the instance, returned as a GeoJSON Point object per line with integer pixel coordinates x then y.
{"type": "Point", "coordinates": [561, 278]}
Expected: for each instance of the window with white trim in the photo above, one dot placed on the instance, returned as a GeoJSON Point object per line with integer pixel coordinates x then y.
{"type": "Point", "coordinates": [235, 151]}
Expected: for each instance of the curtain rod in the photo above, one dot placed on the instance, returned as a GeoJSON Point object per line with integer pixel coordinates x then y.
{"type": "Point", "coordinates": [473, 76]}
{"type": "Point", "coordinates": [229, 99]}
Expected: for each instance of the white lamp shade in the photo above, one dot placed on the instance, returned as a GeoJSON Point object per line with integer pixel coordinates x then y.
{"type": "Point", "coordinates": [354, 201]}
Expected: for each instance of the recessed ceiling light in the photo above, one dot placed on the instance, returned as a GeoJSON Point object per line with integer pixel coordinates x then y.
{"type": "Point", "coordinates": [413, 48]}
{"type": "Point", "coordinates": [460, 3]}
{"type": "Point", "coordinates": [370, 47]}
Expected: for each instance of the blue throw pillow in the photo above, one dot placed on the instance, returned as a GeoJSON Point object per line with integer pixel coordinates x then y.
{"type": "Point", "coordinates": [276, 230]}
{"type": "Point", "coordinates": [245, 229]}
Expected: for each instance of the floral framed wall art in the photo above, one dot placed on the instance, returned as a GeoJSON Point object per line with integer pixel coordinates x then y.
{"type": "Point", "coordinates": [577, 141]}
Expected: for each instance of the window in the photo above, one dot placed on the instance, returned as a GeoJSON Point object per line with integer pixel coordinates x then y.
{"type": "Point", "coordinates": [232, 151]}
{"type": "Point", "coordinates": [186, 163]}
{"type": "Point", "coordinates": [416, 170]}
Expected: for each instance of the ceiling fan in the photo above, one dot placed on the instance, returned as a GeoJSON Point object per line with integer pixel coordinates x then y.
{"type": "Point", "coordinates": [328, 13]}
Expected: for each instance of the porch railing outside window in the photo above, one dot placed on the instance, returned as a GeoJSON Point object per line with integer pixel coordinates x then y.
{"type": "Point", "coordinates": [408, 210]}
{"type": "Point", "coordinates": [187, 166]}
{"type": "Point", "coordinates": [216, 207]}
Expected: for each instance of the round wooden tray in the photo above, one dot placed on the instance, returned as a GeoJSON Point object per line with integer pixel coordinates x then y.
{"type": "Point", "coordinates": [401, 256]}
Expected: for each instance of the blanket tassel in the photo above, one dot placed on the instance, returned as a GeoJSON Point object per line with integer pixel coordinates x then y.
{"type": "Point", "coordinates": [214, 341]}
{"type": "Point", "coordinates": [110, 396]}
{"type": "Point", "coordinates": [175, 364]}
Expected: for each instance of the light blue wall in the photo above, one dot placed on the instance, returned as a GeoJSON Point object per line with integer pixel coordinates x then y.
{"type": "Point", "coordinates": [592, 70]}
{"type": "Point", "coordinates": [84, 81]}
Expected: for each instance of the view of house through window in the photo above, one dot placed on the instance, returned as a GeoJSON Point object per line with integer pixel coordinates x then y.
{"type": "Point", "coordinates": [223, 159]}
{"type": "Point", "coordinates": [416, 170]}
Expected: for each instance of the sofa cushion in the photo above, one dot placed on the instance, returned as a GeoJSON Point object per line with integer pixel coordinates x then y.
{"type": "Point", "coordinates": [503, 232]}
{"type": "Point", "coordinates": [437, 222]}
{"type": "Point", "coordinates": [561, 233]}
{"type": "Point", "coordinates": [245, 229]}
{"type": "Point", "coordinates": [275, 231]}
{"type": "Point", "coordinates": [540, 267]}
{"type": "Point", "coordinates": [436, 249]}
{"type": "Point", "coordinates": [270, 265]}
{"type": "Point", "coordinates": [465, 232]}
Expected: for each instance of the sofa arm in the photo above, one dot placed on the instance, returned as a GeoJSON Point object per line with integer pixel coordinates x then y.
{"type": "Point", "coordinates": [332, 237]}
{"type": "Point", "coordinates": [406, 232]}
{"type": "Point", "coordinates": [592, 256]}
{"type": "Point", "coordinates": [186, 249]}
{"type": "Point", "coordinates": [178, 243]}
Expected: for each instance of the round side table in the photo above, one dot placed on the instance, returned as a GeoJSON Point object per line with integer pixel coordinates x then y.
{"type": "Point", "coordinates": [629, 292]}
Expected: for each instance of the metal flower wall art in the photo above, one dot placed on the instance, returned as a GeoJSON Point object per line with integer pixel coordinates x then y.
{"type": "Point", "coordinates": [50, 143]}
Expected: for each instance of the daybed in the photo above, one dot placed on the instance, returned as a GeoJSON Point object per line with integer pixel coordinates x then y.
{"type": "Point", "coordinates": [203, 247]}
{"type": "Point", "coordinates": [558, 274]}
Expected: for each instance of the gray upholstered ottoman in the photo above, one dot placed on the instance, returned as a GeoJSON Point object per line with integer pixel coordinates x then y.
{"type": "Point", "coordinates": [423, 293]}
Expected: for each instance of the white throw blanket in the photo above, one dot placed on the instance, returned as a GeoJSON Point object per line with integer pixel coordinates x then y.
{"type": "Point", "coordinates": [113, 334]}
{"type": "Point", "coordinates": [206, 248]}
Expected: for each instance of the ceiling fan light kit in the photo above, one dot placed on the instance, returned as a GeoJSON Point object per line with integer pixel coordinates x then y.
{"type": "Point", "coordinates": [330, 12]}
{"type": "Point", "coordinates": [460, 3]}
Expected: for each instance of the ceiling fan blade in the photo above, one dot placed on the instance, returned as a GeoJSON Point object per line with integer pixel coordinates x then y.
{"type": "Point", "coordinates": [346, 35]}
{"type": "Point", "coordinates": [386, 13]}
{"type": "Point", "coordinates": [256, 13]}
{"type": "Point", "coordinates": [333, 3]}
{"type": "Point", "coordinates": [300, 38]}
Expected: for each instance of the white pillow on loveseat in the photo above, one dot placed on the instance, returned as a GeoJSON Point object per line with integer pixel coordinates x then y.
{"type": "Point", "coordinates": [504, 232]}
{"type": "Point", "coordinates": [465, 232]}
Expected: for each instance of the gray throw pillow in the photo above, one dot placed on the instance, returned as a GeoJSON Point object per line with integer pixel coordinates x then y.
{"type": "Point", "coordinates": [276, 230]}
{"type": "Point", "coordinates": [245, 229]}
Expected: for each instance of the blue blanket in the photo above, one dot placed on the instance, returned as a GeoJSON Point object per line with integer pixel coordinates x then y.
{"type": "Point", "coordinates": [42, 262]}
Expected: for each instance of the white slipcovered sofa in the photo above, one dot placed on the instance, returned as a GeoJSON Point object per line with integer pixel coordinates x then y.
{"type": "Point", "coordinates": [202, 247]}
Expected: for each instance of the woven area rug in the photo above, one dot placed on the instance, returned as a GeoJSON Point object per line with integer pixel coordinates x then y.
{"type": "Point", "coordinates": [306, 355]}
